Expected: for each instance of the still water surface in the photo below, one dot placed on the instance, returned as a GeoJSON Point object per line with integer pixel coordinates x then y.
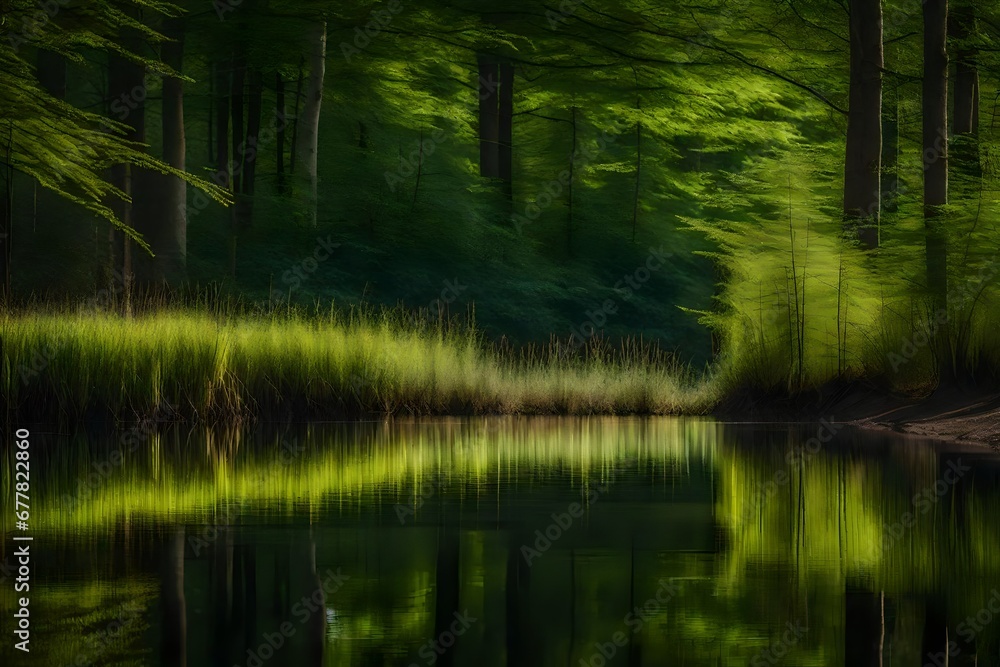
{"type": "Point", "coordinates": [510, 542]}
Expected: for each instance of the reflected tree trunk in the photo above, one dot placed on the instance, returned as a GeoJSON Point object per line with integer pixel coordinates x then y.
{"type": "Point", "coordinates": [517, 583]}
{"type": "Point", "coordinates": [222, 593]}
{"type": "Point", "coordinates": [934, 645]}
{"type": "Point", "coordinates": [305, 584]}
{"type": "Point", "coordinates": [173, 647]}
{"type": "Point", "coordinates": [864, 627]}
{"type": "Point", "coordinates": [447, 582]}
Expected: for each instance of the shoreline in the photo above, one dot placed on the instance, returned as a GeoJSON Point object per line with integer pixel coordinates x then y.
{"type": "Point", "coordinates": [948, 414]}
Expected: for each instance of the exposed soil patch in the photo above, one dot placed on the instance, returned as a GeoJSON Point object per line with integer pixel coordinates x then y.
{"type": "Point", "coordinates": [949, 413]}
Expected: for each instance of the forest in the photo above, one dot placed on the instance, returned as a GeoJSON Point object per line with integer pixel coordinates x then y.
{"type": "Point", "coordinates": [241, 206]}
{"type": "Point", "coordinates": [514, 334]}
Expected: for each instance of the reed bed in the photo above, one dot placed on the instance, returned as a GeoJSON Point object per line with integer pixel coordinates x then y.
{"type": "Point", "coordinates": [185, 364]}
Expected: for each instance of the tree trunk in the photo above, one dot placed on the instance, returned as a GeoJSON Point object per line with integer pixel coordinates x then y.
{"type": "Point", "coordinates": [163, 211]}
{"type": "Point", "coordinates": [862, 171]}
{"type": "Point", "coordinates": [254, 103]}
{"type": "Point", "coordinates": [890, 155]}
{"type": "Point", "coordinates": [222, 122]}
{"type": "Point", "coordinates": [572, 178]}
{"type": "Point", "coordinates": [489, 118]}
{"type": "Point", "coordinates": [236, 104]}
{"type": "Point", "coordinates": [293, 158]}
{"type": "Point", "coordinates": [308, 131]}
{"type": "Point", "coordinates": [279, 107]}
{"type": "Point", "coordinates": [7, 219]}
{"type": "Point", "coordinates": [505, 125]}
{"type": "Point", "coordinates": [935, 143]}
{"type": "Point", "coordinates": [962, 27]}
{"type": "Point", "coordinates": [124, 77]}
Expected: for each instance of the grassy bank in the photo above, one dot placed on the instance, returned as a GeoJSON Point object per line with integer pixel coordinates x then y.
{"type": "Point", "coordinates": [184, 364]}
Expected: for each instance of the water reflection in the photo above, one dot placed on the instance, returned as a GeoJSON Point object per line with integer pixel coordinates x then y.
{"type": "Point", "coordinates": [508, 542]}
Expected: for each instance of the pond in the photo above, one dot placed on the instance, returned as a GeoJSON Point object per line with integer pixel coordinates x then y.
{"type": "Point", "coordinates": [496, 542]}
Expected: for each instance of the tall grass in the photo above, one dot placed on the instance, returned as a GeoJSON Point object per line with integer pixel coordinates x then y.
{"type": "Point", "coordinates": [186, 363]}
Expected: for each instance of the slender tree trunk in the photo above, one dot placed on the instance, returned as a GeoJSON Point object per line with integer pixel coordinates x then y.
{"type": "Point", "coordinates": [250, 155]}
{"type": "Point", "coordinates": [638, 178]}
{"type": "Point", "coordinates": [124, 77]}
{"type": "Point", "coordinates": [51, 73]}
{"type": "Point", "coordinates": [308, 132]}
{"type": "Point", "coordinates": [962, 26]}
{"type": "Point", "coordinates": [420, 171]}
{"type": "Point", "coordinates": [862, 171]}
{"type": "Point", "coordinates": [7, 216]}
{"type": "Point", "coordinates": [890, 154]}
{"type": "Point", "coordinates": [164, 208]}
{"type": "Point", "coordinates": [572, 178]}
{"type": "Point", "coordinates": [489, 118]}
{"type": "Point", "coordinates": [222, 123]}
{"type": "Point", "coordinates": [505, 125]}
{"type": "Point", "coordinates": [279, 105]}
{"type": "Point", "coordinates": [293, 157]}
{"type": "Point", "coordinates": [236, 104]}
{"type": "Point", "coordinates": [935, 143]}
{"type": "Point", "coordinates": [210, 144]}
{"type": "Point", "coordinates": [965, 119]}
{"type": "Point", "coordinates": [223, 69]}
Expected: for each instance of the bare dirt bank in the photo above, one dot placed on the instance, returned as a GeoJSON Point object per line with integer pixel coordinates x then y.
{"type": "Point", "coordinates": [970, 416]}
